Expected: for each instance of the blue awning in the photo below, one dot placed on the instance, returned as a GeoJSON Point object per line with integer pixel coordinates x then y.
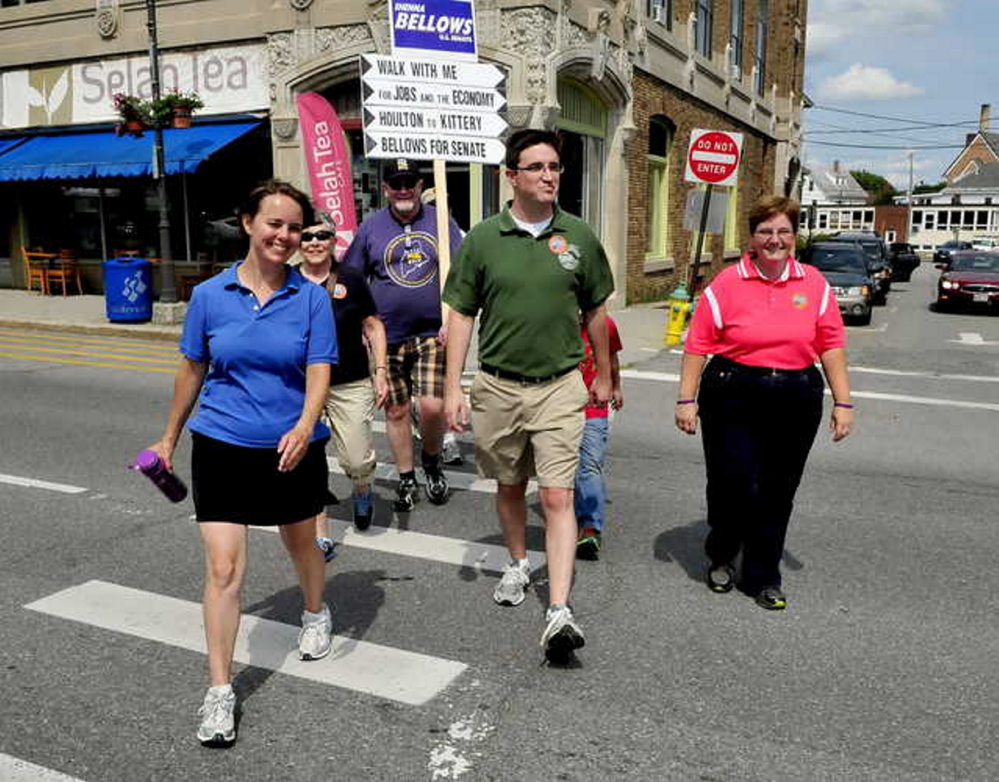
{"type": "Point", "coordinates": [8, 143]}
{"type": "Point", "coordinates": [103, 154]}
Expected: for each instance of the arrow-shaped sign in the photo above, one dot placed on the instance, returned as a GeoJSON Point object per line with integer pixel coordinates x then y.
{"type": "Point", "coordinates": [385, 92]}
{"type": "Point", "coordinates": [434, 121]}
{"type": "Point", "coordinates": [404, 71]}
{"type": "Point", "coordinates": [460, 150]}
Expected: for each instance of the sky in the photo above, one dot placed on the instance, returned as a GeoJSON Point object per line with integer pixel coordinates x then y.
{"type": "Point", "coordinates": [908, 62]}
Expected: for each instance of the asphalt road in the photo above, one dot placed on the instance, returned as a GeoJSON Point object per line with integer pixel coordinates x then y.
{"type": "Point", "coordinates": [883, 668]}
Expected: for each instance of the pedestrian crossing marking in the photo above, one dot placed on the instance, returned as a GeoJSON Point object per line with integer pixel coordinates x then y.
{"type": "Point", "coordinates": [16, 770]}
{"type": "Point", "coordinates": [34, 483]}
{"type": "Point", "coordinates": [383, 671]}
{"type": "Point", "coordinates": [486, 557]}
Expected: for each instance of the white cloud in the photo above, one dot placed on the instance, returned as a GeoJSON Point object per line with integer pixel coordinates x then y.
{"type": "Point", "coordinates": [866, 82]}
{"type": "Point", "coordinates": [833, 21]}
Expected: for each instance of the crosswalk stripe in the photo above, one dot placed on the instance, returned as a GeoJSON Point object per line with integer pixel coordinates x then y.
{"type": "Point", "coordinates": [486, 557]}
{"type": "Point", "coordinates": [16, 770]}
{"type": "Point", "coordinates": [458, 480]}
{"type": "Point", "coordinates": [385, 672]}
{"type": "Point", "coordinates": [34, 483]}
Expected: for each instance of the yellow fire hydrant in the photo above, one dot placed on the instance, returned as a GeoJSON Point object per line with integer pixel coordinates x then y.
{"type": "Point", "coordinates": [677, 315]}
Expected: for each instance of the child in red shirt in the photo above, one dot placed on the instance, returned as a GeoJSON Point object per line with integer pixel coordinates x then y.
{"type": "Point", "coordinates": [591, 488]}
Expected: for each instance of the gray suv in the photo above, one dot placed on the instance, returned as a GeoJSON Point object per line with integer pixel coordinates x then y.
{"type": "Point", "coordinates": [878, 265]}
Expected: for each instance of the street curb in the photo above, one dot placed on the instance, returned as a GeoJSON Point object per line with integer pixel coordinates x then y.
{"type": "Point", "coordinates": [164, 334]}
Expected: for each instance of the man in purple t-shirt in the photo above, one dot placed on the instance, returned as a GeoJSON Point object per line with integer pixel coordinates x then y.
{"type": "Point", "coordinates": [396, 249]}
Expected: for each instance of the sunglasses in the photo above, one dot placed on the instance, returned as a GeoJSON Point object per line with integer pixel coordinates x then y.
{"type": "Point", "coordinates": [319, 236]}
{"type": "Point", "coordinates": [406, 182]}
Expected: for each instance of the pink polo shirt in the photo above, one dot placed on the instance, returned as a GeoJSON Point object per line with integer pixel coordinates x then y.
{"type": "Point", "coordinates": [785, 323]}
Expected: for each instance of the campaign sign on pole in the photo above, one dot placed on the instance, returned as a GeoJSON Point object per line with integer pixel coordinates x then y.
{"type": "Point", "coordinates": [433, 29]}
{"type": "Point", "coordinates": [713, 157]}
{"type": "Point", "coordinates": [432, 109]}
{"type": "Point", "coordinates": [328, 163]}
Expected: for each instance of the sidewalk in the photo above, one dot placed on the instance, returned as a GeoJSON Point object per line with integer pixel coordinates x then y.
{"type": "Point", "coordinates": [641, 327]}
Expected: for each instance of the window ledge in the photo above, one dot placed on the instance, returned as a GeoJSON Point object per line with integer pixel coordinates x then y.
{"type": "Point", "coordinates": [733, 255]}
{"type": "Point", "coordinates": [654, 265]}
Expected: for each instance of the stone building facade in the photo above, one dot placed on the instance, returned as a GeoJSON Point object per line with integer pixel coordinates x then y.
{"type": "Point", "coordinates": [621, 81]}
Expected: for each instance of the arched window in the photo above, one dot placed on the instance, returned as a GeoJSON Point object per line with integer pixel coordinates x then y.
{"type": "Point", "coordinates": [661, 134]}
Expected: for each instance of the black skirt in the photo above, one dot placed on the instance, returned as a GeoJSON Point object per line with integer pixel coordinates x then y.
{"type": "Point", "coordinates": [242, 485]}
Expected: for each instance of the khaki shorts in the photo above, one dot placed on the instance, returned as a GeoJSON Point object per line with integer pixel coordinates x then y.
{"type": "Point", "coordinates": [415, 368]}
{"type": "Point", "coordinates": [523, 430]}
{"type": "Point", "coordinates": [350, 410]}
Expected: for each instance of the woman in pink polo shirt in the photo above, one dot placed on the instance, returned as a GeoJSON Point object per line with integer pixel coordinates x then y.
{"type": "Point", "coordinates": [766, 321]}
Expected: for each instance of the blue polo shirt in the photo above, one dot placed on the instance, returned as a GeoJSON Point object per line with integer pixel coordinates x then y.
{"type": "Point", "coordinates": [254, 389]}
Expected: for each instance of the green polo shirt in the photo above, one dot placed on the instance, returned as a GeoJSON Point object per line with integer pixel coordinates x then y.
{"type": "Point", "coordinates": [529, 291]}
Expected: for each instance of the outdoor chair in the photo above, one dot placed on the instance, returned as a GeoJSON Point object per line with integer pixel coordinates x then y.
{"type": "Point", "coordinates": [36, 269]}
{"type": "Point", "coordinates": [64, 270]}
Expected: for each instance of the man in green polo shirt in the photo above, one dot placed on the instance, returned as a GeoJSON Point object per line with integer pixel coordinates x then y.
{"type": "Point", "coordinates": [528, 272]}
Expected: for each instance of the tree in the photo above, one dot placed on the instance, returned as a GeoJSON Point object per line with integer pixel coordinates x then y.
{"type": "Point", "coordinates": [922, 187]}
{"type": "Point", "coordinates": [878, 188]}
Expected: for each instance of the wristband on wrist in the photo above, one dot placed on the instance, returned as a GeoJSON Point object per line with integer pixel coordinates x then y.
{"type": "Point", "coordinates": [686, 401]}
{"type": "Point", "coordinates": [844, 405]}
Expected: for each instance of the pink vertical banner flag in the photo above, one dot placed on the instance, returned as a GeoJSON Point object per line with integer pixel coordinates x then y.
{"type": "Point", "coordinates": [328, 162]}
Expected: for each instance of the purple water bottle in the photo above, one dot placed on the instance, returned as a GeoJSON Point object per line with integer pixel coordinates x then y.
{"type": "Point", "coordinates": [151, 465]}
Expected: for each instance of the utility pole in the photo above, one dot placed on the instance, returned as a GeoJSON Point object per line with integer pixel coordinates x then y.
{"type": "Point", "coordinates": [168, 290]}
{"type": "Point", "coordinates": [908, 219]}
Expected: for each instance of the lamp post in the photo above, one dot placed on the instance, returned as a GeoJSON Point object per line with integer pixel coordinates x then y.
{"type": "Point", "coordinates": [168, 291]}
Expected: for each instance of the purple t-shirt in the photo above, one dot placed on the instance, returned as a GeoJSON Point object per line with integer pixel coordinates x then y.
{"type": "Point", "coordinates": [400, 263]}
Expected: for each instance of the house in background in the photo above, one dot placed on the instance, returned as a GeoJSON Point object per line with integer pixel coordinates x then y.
{"type": "Point", "coordinates": [834, 200]}
{"type": "Point", "coordinates": [969, 206]}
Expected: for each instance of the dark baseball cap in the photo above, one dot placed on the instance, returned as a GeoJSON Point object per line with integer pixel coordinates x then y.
{"type": "Point", "coordinates": [396, 167]}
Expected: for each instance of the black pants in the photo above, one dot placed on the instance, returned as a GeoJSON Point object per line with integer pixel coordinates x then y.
{"type": "Point", "coordinates": [757, 428]}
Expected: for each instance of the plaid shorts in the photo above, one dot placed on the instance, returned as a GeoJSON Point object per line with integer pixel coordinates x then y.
{"type": "Point", "coordinates": [415, 368]}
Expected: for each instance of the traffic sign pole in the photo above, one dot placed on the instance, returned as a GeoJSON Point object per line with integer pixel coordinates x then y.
{"type": "Point", "coordinates": [696, 266]}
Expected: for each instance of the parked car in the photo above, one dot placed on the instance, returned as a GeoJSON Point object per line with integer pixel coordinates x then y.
{"type": "Point", "coordinates": [944, 251]}
{"type": "Point", "coordinates": [904, 260]}
{"type": "Point", "coordinates": [985, 243]}
{"type": "Point", "coordinates": [845, 268]}
{"type": "Point", "coordinates": [877, 260]}
{"type": "Point", "coordinates": [970, 280]}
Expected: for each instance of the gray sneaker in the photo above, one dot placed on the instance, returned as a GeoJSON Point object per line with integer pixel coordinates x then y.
{"type": "Point", "coordinates": [218, 723]}
{"type": "Point", "coordinates": [450, 453]}
{"type": "Point", "coordinates": [316, 638]}
{"type": "Point", "coordinates": [562, 635]}
{"type": "Point", "coordinates": [515, 580]}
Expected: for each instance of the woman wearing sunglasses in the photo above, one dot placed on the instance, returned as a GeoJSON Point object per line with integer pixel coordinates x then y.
{"type": "Point", "coordinates": [352, 398]}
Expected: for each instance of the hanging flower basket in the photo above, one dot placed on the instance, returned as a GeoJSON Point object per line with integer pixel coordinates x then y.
{"type": "Point", "coordinates": [175, 108]}
{"type": "Point", "coordinates": [135, 113]}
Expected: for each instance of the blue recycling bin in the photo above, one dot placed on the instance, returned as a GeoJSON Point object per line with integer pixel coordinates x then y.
{"type": "Point", "coordinates": [128, 290]}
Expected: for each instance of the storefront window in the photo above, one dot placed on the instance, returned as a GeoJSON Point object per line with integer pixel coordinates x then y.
{"type": "Point", "coordinates": [582, 128]}
{"type": "Point", "coordinates": [661, 133]}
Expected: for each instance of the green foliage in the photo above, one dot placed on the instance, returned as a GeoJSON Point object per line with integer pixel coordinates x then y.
{"type": "Point", "coordinates": [878, 188]}
{"type": "Point", "coordinates": [922, 187]}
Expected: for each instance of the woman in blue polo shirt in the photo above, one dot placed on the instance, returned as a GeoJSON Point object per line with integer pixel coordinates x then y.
{"type": "Point", "coordinates": [258, 342]}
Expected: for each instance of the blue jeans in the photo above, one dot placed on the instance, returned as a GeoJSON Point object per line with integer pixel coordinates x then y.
{"type": "Point", "coordinates": [591, 489]}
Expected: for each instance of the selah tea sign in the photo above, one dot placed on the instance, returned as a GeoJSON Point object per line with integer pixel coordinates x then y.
{"type": "Point", "coordinates": [228, 79]}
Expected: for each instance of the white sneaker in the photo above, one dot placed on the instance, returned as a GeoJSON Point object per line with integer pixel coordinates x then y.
{"type": "Point", "coordinates": [562, 635]}
{"type": "Point", "coordinates": [218, 725]}
{"type": "Point", "coordinates": [316, 638]}
{"type": "Point", "coordinates": [510, 590]}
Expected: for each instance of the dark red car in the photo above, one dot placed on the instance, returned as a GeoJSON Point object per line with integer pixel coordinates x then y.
{"type": "Point", "coordinates": [971, 279]}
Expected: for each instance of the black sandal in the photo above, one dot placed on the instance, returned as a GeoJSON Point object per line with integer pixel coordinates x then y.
{"type": "Point", "coordinates": [717, 584]}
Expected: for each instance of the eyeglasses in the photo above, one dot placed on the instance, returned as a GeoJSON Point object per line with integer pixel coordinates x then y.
{"type": "Point", "coordinates": [780, 233]}
{"type": "Point", "coordinates": [405, 182]}
{"type": "Point", "coordinates": [537, 168]}
{"type": "Point", "coordinates": [319, 236]}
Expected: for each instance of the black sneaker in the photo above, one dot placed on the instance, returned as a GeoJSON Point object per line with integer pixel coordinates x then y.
{"type": "Point", "coordinates": [406, 494]}
{"type": "Point", "coordinates": [720, 578]}
{"type": "Point", "coordinates": [771, 598]}
{"type": "Point", "coordinates": [437, 488]}
{"type": "Point", "coordinates": [588, 544]}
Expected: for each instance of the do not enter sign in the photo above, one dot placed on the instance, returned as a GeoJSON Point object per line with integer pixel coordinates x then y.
{"type": "Point", "coordinates": [713, 157]}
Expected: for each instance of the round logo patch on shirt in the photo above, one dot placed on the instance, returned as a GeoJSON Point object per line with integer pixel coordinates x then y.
{"type": "Point", "coordinates": [558, 245]}
{"type": "Point", "coordinates": [411, 259]}
{"type": "Point", "coordinates": [799, 301]}
{"type": "Point", "coordinates": [339, 291]}
{"type": "Point", "coordinates": [569, 261]}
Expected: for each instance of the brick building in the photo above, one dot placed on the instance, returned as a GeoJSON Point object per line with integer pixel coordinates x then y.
{"type": "Point", "coordinates": [623, 82]}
